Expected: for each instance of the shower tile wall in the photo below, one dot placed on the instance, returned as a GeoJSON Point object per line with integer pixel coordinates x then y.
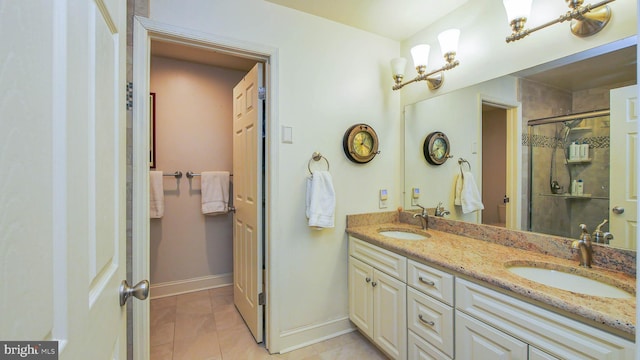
{"type": "Point", "coordinates": [559, 215]}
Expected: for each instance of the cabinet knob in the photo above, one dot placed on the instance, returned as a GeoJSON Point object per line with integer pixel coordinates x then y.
{"type": "Point", "coordinates": [374, 284]}
{"type": "Point", "coordinates": [428, 322]}
{"type": "Point", "coordinates": [426, 281]}
{"type": "Point", "coordinates": [367, 279]}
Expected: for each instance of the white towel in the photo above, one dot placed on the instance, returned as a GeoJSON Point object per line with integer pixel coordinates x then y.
{"type": "Point", "coordinates": [156, 195]}
{"type": "Point", "coordinates": [215, 192]}
{"type": "Point", "coordinates": [467, 193]}
{"type": "Point", "coordinates": [321, 200]}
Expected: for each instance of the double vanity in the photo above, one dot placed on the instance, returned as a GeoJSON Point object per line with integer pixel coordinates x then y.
{"type": "Point", "coordinates": [465, 291]}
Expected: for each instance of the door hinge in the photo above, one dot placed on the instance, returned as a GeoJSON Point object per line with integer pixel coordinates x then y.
{"type": "Point", "coordinates": [261, 299]}
{"type": "Point", "coordinates": [129, 95]}
{"type": "Point", "coordinates": [262, 93]}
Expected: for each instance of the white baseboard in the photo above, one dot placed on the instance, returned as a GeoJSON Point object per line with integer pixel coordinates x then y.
{"type": "Point", "coordinates": [190, 285]}
{"type": "Point", "coordinates": [298, 338]}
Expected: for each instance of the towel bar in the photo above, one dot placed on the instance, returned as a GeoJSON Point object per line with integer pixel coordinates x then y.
{"type": "Point", "coordinates": [317, 157]}
{"type": "Point", "coordinates": [177, 174]}
{"type": "Point", "coordinates": [462, 160]}
{"type": "Point", "coordinates": [191, 174]}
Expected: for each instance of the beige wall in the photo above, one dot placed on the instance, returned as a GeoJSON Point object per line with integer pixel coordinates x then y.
{"type": "Point", "coordinates": [193, 132]}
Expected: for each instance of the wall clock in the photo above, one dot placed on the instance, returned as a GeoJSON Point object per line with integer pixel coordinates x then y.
{"type": "Point", "coordinates": [360, 143]}
{"type": "Point", "coordinates": [436, 148]}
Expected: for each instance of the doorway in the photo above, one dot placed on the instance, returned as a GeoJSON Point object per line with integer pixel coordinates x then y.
{"type": "Point", "coordinates": [494, 165]}
{"type": "Point", "coordinates": [195, 46]}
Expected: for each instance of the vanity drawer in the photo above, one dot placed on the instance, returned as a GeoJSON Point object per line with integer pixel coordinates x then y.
{"type": "Point", "coordinates": [430, 281]}
{"type": "Point", "coordinates": [431, 320]}
{"type": "Point", "coordinates": [563, 337]}
{"type": "Point", "coordinates": [391, 263]}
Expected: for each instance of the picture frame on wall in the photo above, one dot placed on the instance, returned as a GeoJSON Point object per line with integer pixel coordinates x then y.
{"type": "Point", "coordinates": [152, 130]}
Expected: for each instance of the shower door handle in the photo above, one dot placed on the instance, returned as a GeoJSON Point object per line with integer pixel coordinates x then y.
{"type": "Point", "coordinates": [617, 210]}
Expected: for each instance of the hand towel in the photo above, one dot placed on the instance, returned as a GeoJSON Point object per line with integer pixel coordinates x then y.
{"type": "Point", "coordinates": [470, 196]}
{"type": "Point", "coordinates": [457, 200]}
{"type": "Point", "coordinates": [156, 195]}
{"type": "Point", "coordinates": [321, 200]}
{"type": "Point", "coordinates": [215, 192]}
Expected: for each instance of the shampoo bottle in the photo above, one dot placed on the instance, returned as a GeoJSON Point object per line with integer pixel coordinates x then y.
{"type": "Point", "coordinates": [574, 187]}
{"type": "Point", "coordinates": [584, 151]}
{"type": "Point", "coordinates": [580, 188]}
{"type": "Point", "coordinates": [574, 151]}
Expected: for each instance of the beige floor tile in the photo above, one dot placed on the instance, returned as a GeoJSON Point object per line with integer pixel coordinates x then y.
{"type": "Point", "coordinates": [201, 347]}
{"type": "Point", "coordinates": [220, 300]}
{"type": "Point", "coordinates": [223, 290]}
{"type": "Point", "coordinates": [227, 318]}
{"type": "Point", "coordinates": [162, 315]}
{"type": "Point", "coordinates": [164, 302]}
{"type": "Point", "coordinates": [354, 350]}
{"type": "Point", "coordinates": [238, 343]}
{"type": "Point", "coordinates": [162, 334]}
{"type": "Point", "coordinates": [162, 352]}
{"type": "Point", "coordinates": [192, 325]}
{"type": "Point", "coordinates": [195, 304]}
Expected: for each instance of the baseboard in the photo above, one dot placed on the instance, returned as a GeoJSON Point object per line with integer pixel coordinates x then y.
{"type": "Point", "coordinates": [190, 285]}
{"type": "Point", "coordinates": [298, 338]}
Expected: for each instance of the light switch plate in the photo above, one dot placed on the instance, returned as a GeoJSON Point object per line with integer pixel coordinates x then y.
{"type": "Point", "coordinates": [383, 198]}
{"type": "Point", "coordinates": [287, 135]}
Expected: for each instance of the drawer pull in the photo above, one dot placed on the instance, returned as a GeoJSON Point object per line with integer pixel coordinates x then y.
{"type": "Point", "coordinates": [367, 279]}
{"type": "Point", "coordinates": [428, 322]}
{"type": "Point", "coordinates": [425, 281]}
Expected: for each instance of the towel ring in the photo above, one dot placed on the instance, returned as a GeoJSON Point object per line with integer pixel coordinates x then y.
{"type": "Point", "coordinates": [317, 157]}
{"type": "Point", "coordinates": [461, 161]}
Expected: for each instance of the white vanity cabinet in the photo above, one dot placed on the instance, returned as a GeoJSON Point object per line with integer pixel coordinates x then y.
{"type": "Point", "coordinates": [378, 296]}
{"type": "Point", "coordinates": [543, 333]}
{"type": "Point", "coordinates": [430, 311]}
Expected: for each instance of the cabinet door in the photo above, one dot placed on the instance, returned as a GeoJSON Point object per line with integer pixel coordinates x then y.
{"type": "Point", "coordinates": [390, 314]}
{"type": "Point", "coordinates": [537, 354]}
{"type": "Point", "coordinates": [476, 340]}
{"type": "Point", "coordinates": [361, 295]}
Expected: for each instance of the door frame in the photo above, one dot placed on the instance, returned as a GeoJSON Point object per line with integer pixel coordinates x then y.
{"type": "Point", "coordinates": [144, 30]}
{"type": "Point", "coordinates": [514, 156]}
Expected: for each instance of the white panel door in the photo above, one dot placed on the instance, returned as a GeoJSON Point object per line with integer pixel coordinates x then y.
{"type": "Point", "coordinates": [62, 188]}
{"type": "Point", "coordinates": [248, 112]}
{"type": "Point", "coordinates": [390, 314]}
{"type": "Point", "coordinates": [361, 295]}
{"type": "Point", "coordinates": [476, 340]}
{"type": "Point", "coordinates": [624, 166]}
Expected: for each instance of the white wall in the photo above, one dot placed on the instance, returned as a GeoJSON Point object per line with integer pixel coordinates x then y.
{"type": "Point", "coordinates": [330, 77]}
{"type": "Point", "coordinates": [193, 132]}
{"type": "Point", "coordinates": [484, 54]}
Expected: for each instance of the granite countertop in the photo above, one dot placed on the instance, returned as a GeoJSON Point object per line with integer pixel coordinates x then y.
{"type": "Point", "coordinates": [484, 262]}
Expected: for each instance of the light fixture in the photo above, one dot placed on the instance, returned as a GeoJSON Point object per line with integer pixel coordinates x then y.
{"type": "Point", "coordinates": [448, 44]}
{"type": "Point", "coordinates": [586, 20]}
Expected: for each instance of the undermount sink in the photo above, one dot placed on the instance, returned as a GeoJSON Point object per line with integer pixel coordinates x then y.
{"type": "Point", "coordinates": [402, 234]}
{"type": "Point", "coordinates": [554, 276]}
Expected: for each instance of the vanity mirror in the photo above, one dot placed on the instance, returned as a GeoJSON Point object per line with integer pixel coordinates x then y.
{"type": "Point", "coordinates": [513, 152]}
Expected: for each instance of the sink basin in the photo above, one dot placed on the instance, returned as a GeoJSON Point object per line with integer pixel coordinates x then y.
{"type": "Point", "coordinates": [554, 276]}
{"type": "Point", "coordinates": [402, 235]}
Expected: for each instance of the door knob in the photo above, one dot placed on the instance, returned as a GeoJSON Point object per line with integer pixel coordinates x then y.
{"type": "Point", "coordinates": [617, 210]}
{"type": "Point", "coordinates": [140, 291]}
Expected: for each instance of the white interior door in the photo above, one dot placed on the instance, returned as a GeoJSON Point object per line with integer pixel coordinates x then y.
{"type": "Point", "coordinates": [62, 188]}
{"type": "Point", "coordinates": [248, 112]}
{"type": "Point", "coordinates": [623, 166]}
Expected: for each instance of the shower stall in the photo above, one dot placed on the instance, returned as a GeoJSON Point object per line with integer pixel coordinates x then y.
{"type": "Point", "coordinates": [568, 188]}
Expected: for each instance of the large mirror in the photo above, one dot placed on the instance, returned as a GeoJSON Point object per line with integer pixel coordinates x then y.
{"type": "Point", "coordinates": [515, 135]}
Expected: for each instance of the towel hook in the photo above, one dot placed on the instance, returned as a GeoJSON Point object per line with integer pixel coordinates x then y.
{"type": "Point", "coordinates": [317, 157]}
{"type": "Point", "coordinates": [462, 160]}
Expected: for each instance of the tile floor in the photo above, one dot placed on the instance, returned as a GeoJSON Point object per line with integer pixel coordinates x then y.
{"type": "Point", "coordinates": [206, 325]}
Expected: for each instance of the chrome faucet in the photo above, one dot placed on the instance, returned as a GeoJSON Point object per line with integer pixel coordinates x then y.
{"type": "Point", "coordinates": [424, 217]}
{"type": "Point", "coordinates": [600, 236]}
{"type": "Point", "coordinates": [584, 247]}
{"type": "Point", "coordinates": [440, 211]}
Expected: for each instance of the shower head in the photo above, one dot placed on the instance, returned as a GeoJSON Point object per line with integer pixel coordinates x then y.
{"type": "Point", "coordinates": [573, 123]}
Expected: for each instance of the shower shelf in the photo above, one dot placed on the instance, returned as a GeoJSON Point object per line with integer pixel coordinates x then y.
{"type": "Point", "coordinates": [581, 161]}
{"type": "Point", "coordinates": [576, 197]}
{"type": "Point", "coordinates": [586, 128]}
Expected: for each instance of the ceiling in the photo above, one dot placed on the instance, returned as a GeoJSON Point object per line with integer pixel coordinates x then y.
{"type": "Point", "coordinates": [395, 19]}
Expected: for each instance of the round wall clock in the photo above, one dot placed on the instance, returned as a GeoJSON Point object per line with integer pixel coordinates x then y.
{"type": "Point", "coordinates": [436, 148]}
{"type": "Point", "coordinates": [360, 143]}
